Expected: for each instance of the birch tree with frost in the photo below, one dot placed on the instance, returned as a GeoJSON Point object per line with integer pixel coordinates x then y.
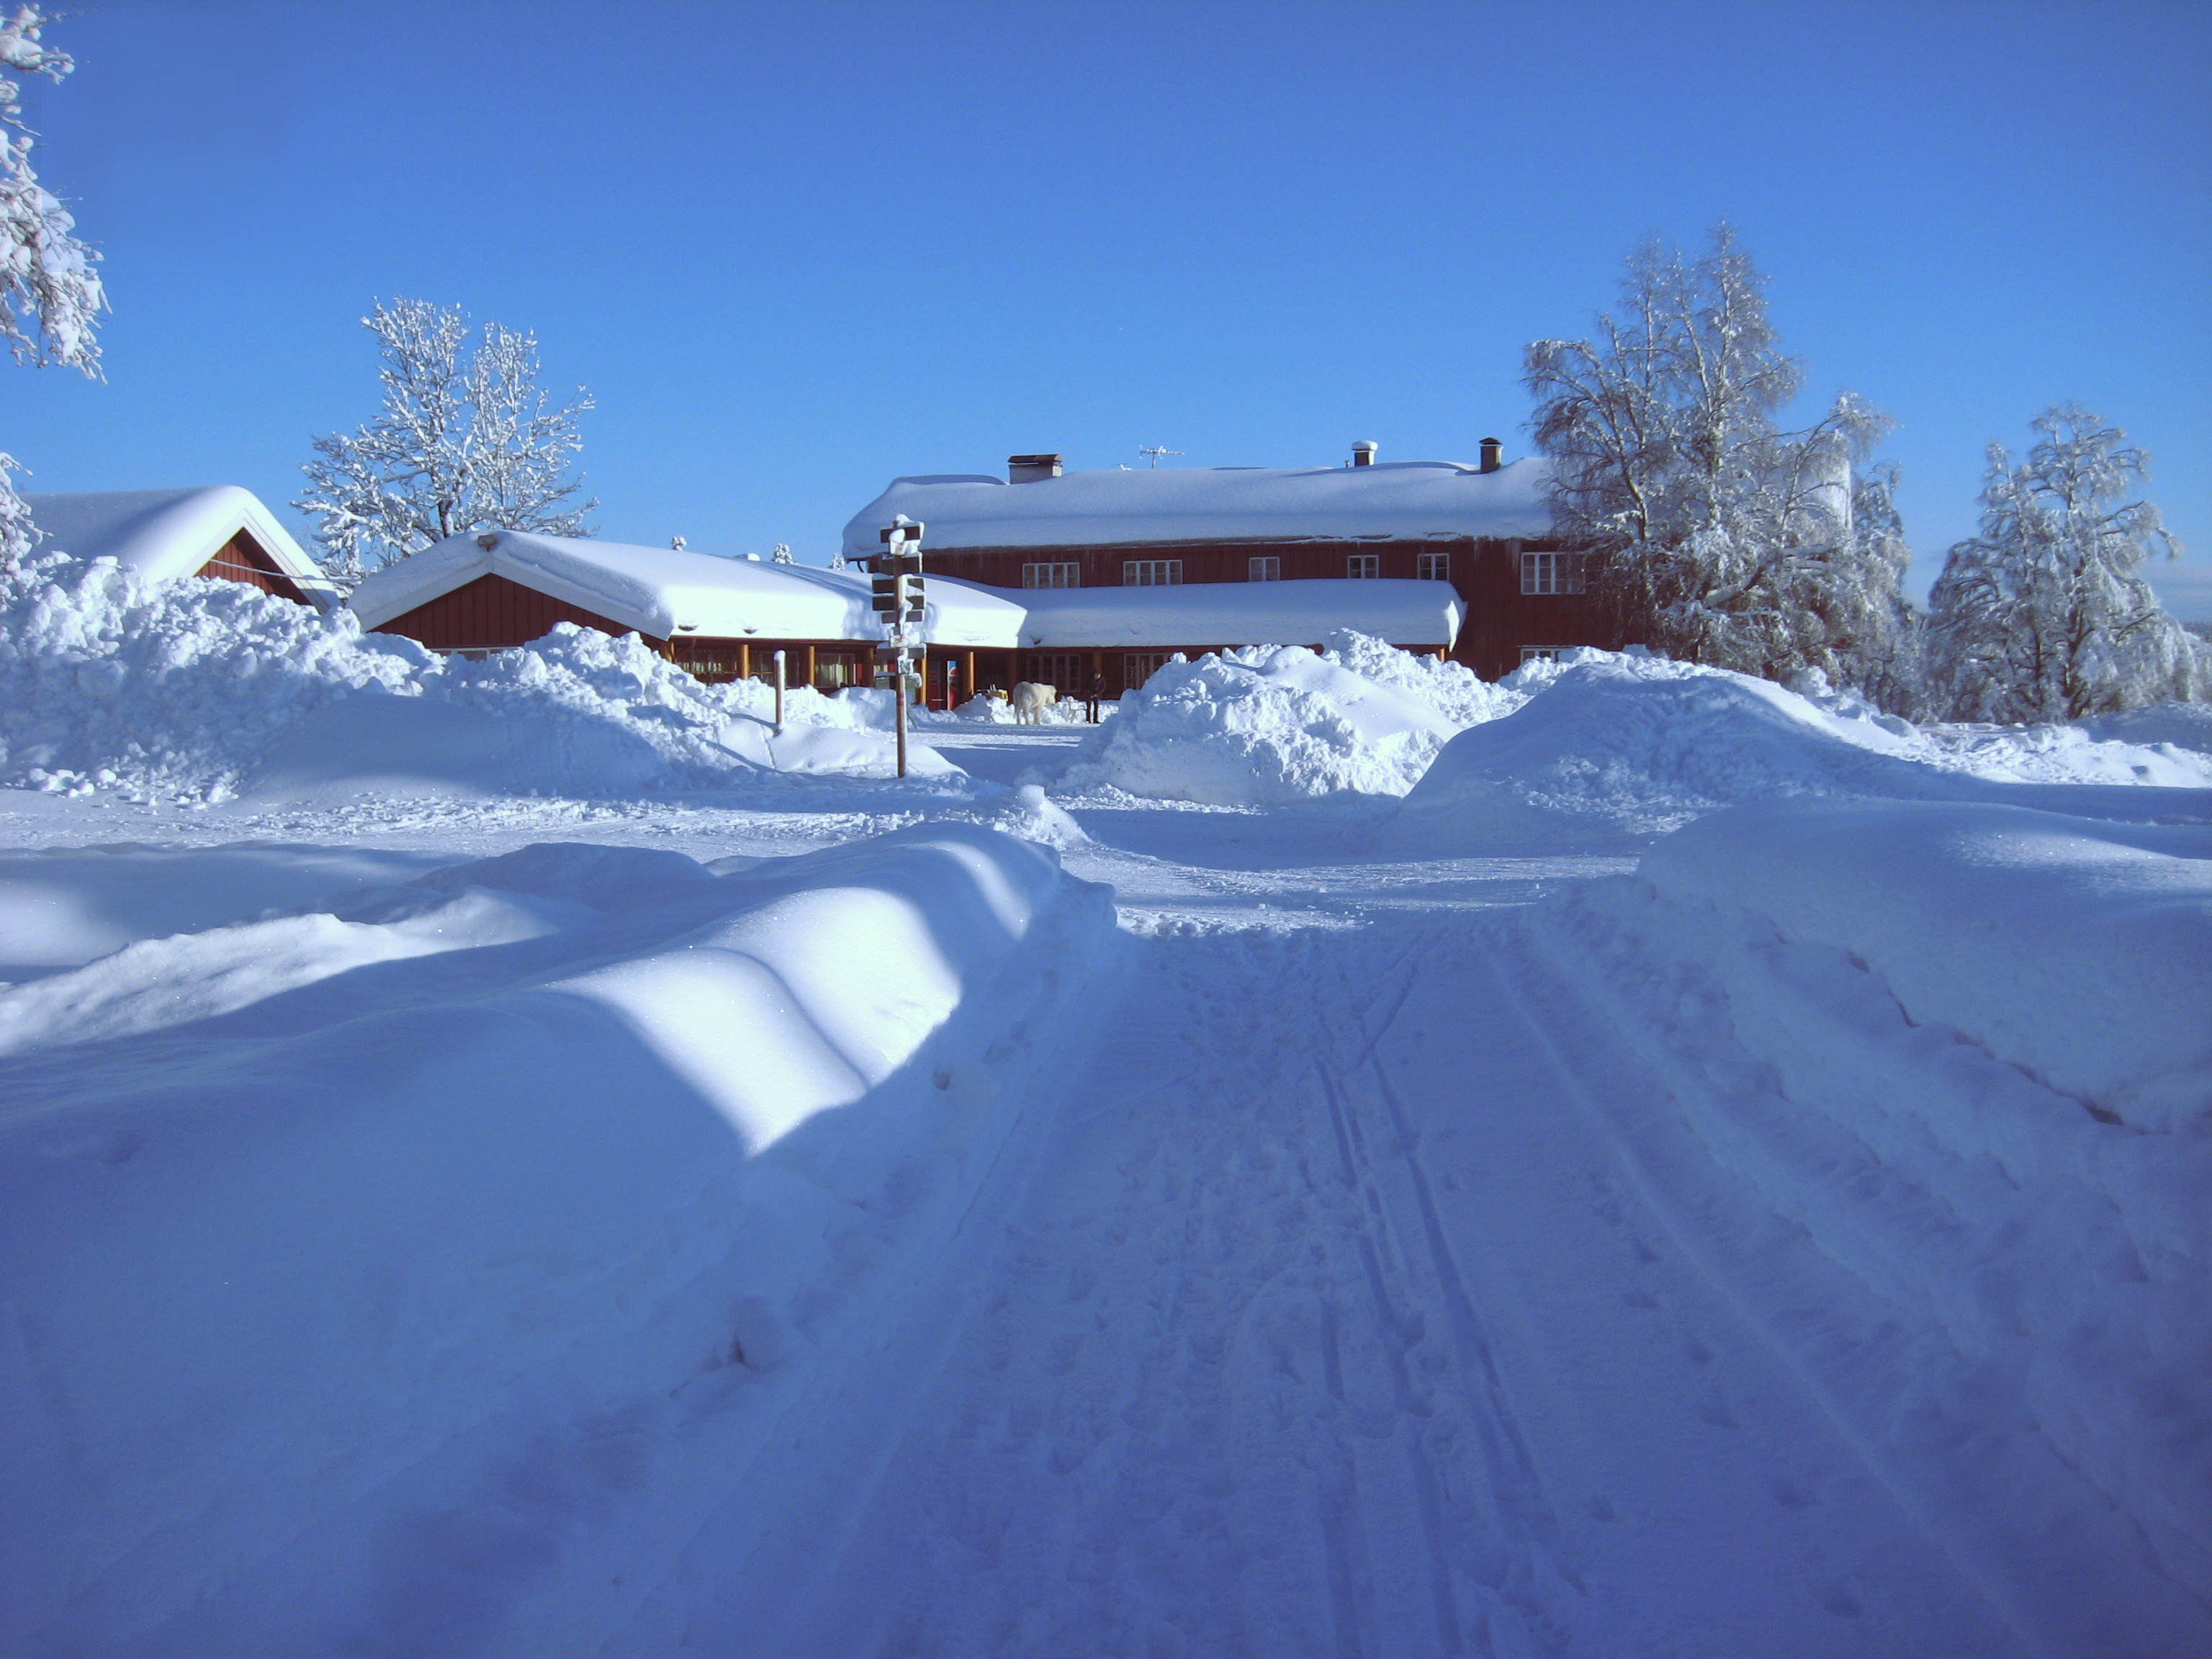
{"type": "Point", "coordinates": [50, 295]}
{"type": "Point", "coordinates": [466, 439]}
{"type": "Point", "coordinates": [1717, 536]}
{"type": "Point", "coordinates": [2044, 616]}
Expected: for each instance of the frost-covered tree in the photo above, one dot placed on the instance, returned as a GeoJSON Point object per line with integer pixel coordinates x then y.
{"type": "Point", "coordinates": [50, 295]}
{"type": "Point", "coordinates": [2043, 616]}
{"type": "Point", "coordinates": [466, 439]}
{"type": "Point", "coordinates": [1717, 536]}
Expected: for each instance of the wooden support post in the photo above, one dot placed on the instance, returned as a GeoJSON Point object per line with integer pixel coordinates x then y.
{"type": "Point", "coordinates": [744, 660]}
{"type": "Point", "coordinates": [810, 667]}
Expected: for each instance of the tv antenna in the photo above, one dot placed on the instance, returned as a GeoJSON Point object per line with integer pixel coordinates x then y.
{"type": "Point", "coordinates": [1156, 451]}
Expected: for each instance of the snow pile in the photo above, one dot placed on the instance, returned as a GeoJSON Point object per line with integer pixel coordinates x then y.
{"type": "Point", "coordinates": [1611, 748]}
{"type": "Point", "coordinates": [1966, 1048]}
{"type": "Point", "coordinates": [2079, 952]}
{"type": "Point", "coordinates": [412, 1234]}
{"type": "Point", "coordinates": [1269, 726]}
{"type": "Point", "coordinates": [1453, 689]}
{"type": "Point", "coordinates": [195, 690]}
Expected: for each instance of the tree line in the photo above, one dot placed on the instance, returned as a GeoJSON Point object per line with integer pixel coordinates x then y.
{"type": "Point", "coordinates": [1718, 536]}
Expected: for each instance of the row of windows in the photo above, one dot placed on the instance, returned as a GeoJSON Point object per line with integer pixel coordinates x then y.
{"type": "Point", "coordinates": [1541, 573]}
{"type": "Point", "coordinates": [1267, 568]}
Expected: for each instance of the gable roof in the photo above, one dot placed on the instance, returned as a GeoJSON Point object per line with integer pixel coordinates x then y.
{"type": "Point", "coordinates": [1395, 501]}
{"type": "Point", "coordinates": [665, 592]}
{"type": "Point", "coordinates": [166, 533]}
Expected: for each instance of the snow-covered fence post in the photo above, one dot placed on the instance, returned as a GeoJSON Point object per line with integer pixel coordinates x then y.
{"type": "Point", "coordinates": [779, 694]}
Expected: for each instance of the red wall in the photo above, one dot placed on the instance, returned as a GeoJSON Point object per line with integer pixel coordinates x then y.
{"type": "Point", "coordinates": [242, 559]}
{"type": "Point", "coordinates": [492, 611]}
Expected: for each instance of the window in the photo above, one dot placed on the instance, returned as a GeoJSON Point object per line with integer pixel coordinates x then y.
{"type": "Point", "coordinates": [1069, 575]}
{"type": "Point", "coordinates": [1433, 566]}
{"type": "Point", "coordinates": [1067, 671]}
{"type": "Point", "coordinates": [1551, 573]}
{"type": "Point", "coordinates": [1138, 666]}
{"type": "Point", "coordinates": [1363, 565]}
{"type": "Point", "coordinates": [1268, 570]}
{"type": "Point", "coordinates": [1542, 653]}
{"type": "Point", "coordinates": [834, 669]}
{"type": "Point", "coordinates": [1152, 572]}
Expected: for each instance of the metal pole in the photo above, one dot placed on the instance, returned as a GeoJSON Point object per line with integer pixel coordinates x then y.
{"type": "Point", "coordinates": [900, 672]}
{"type": "Point", "coordinates": [779, 694]}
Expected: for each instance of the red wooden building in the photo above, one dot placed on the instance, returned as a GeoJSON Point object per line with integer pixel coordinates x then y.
{"type": "Point", "coordinates": [1483, 531]}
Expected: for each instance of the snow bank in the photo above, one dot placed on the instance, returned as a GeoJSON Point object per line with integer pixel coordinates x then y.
{"type": "Point", "coordinates": [1966, 1048]}
{"type": "Point", "coordinates": [1611, 749]}
{"type": "Point", "coordinates": [1269, 726]}
{"type": "Point", "coordinates": [198, 690]}
{"type": "Point", "coordinates": [371, 1251]}
{"type": "Point", "coordinates": [2079, 951]}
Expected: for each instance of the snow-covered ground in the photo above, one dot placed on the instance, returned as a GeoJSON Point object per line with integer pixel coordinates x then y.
{"type": "Point", "coordinates": [1635, 1162]}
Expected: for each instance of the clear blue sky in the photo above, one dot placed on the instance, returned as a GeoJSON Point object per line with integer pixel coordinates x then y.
{"type": "Point", "coordinates": [796, 250]}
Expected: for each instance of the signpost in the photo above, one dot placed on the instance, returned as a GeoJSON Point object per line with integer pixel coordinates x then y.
{"type": "Point", "coordinates": [897, 596]}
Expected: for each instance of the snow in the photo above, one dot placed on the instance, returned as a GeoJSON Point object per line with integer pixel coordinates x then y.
{"type": "Point", "coordinates": [662, 591]}
{"type": "Point", "coordinates": [1729, 1176]}
{"type": "Point", "coordinates": [203, 690]}
{"type": "Point", "coordinates": [1614, 748]}
{"type": "Point", "coordinates": [1395, 501]}
{"type": "Point", "coordinates": [1408, 613]}
{"type": "Point", "coordinates": [1269, 725]}
{"type": "Point", "coordinates": [161, 533]}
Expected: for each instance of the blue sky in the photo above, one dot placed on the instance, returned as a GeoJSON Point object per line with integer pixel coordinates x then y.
{"type": "Point", "coordinates": [795, 251]}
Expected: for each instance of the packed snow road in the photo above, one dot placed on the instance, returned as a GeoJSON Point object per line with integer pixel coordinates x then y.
{"type": "Point", "coordinates": [1321, 1307]}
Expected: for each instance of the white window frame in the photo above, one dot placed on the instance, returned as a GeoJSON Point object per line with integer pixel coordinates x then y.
{"type": "Point", "coordinates": [1362, 567]}
{"type": "Point", "coordinates": [1551, 573]}
{"type": "Point", "coordinates": [1542, 653]}
{"type": "Point", "coordinates": [1263, 568]}
{"type": "Point", "coordinates": [1059, 573]}
{"type": "Point", "coordinates": [1151, 573]}
{"type": "Point", "coordinates": [1432, 567]}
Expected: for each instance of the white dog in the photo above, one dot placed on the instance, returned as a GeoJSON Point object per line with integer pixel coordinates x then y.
{"type": "Point", "coordinates": [1031, 700]}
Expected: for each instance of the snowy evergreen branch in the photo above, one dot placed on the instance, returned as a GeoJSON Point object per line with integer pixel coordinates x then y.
{"type": "Point", "coordinates": [466, 439]}
{"type": "Point", "coordinates": [1722, 538]}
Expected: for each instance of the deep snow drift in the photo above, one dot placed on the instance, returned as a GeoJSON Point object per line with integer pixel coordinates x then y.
{"type": "Point", "coordinates": [308, 1222]}
{"type": "Point", "coordinates": [1273, 725]}
{"type": "Point", "coordinates": [201, 690]}
{"type": "Point", "coordinates": [1609, 751]}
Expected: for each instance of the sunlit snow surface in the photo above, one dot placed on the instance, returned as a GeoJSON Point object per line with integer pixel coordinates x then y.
{"type": "Point", "coordinates": [1756, 1205]}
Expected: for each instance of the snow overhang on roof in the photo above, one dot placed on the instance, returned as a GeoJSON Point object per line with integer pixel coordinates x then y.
{"type": "Point", "coordinates": [166, 533]}
{"type": "Point", "coordinates": [665, 593]}
{"type": "Point", "coordinates": [1410, 613]}
{"type": "Point", "coordinates": [1399, 500]}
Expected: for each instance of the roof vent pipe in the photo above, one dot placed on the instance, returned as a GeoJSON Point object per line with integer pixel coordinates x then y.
{"type": "Point", "coordinates": [1363, 454]}
{"type": "Point", "coordinates": [1492, 455]}
{"type": "Point", "coordinates": [1028, 468]}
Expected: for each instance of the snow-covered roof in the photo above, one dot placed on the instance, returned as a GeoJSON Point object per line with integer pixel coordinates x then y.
{"type": "Point", "coordinates": [1422, 613]}
{"type": "Point", "coordinates": [665, 592]}
{"type": "Point", "coordinates": [1399, 500]}
{"type": "Point", "coordinates": [171, 532]}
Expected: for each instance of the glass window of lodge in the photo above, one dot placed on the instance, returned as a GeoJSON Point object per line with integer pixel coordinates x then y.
{"type": "Point", "coordinates": [1551, 573]}
{"type": "Point", "coordinates": [1433, 566]}
{"type": "Point", "coordinates": [1542, 653]}
{"type": "Point", "coordinates": [1065, 574]}
{"type": "Point", "coordinates": [1138, 666]}
{"type": "Point", "coordinates": [1265, 569]}
{"type": "Point", "coordinates": [1364, 566]}
{"type": "Point", "coordinates": [1151, 573]}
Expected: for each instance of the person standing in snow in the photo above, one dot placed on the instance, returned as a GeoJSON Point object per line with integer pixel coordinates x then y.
{"type": "Point", "coordinates": [1094, 689]}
